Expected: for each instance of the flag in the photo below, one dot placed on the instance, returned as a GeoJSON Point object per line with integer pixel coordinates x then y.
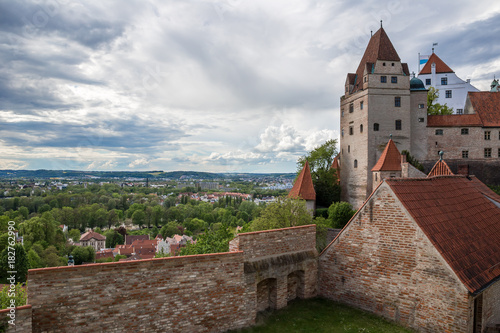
{"type": "Point", "coordinates": [422, 59]}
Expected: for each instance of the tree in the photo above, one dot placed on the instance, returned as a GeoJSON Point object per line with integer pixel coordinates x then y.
{"type": "Point", "coordinates": [339, 213]}
{"type": "Point", "coordinates": [169, 229]}
{"type": "Point", "coordinates": [74, 234]}
{"type": "Point", "coordinates": [434, 109]}
{"type": "Point", "coordinates": [20, 296]}
{"type": "Point", "coordinates": [139, 217]}
{"type": "Point", "coordinates": [34, 259]}
{"type": "Point", "coordinates": [83, 254]}
{"type": "Point", "coordinates": [286, 212]}
{"type": "Point", "coordinates": [17, 255]}
{"type": "Point", "coordinates": [209, 242]}
{"type": "Point", "coordinates": [113, 238]}
{"type": "Point", "coordinates": [323, 176]}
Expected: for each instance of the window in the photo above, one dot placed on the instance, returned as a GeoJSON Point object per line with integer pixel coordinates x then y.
{"type": "Point", "coordinates": [397, 102]}
{"type": "Point", "coordinates": [351, 130]}
{"type": "Point", "coordinates": [392, 64]}
{"type": "Point", "coordinates": [421, 106]}
{"type": "Point", "coordinates": [383, 79]}
{"type": "Point", "coordinates": [444, 81]}
{"type": "Point", "coordinates": [460, 111]}
{"type": "Point", "coordinates": [420, 120]}
{"type": "Point", "coordinates": [361, 128]}
{"type": "Point", "coordinates": [487, 152]}
{"type": "Point", "coordinates": [465, 131]}
{"type": "Point", "coordinates": [487, 135]}
{"type": "Point", "coordinates": [398, 125]}
{"type": "Point", "coordinates": [499, 152]}
{"type": "Point", "coordinates": [351, 108]}
{"type": "Point", "coordinates": [361, 105]}
{"type": "Point", "coordinates": [427, 82]}
{"type": "Point", "coordinates": [439, 132]}
{"type": "Point", "coordinates": [365, 78]}
{"type": "Point", "coordinates": [355, 163]}
{"type": "Point", "coordinates": [342, 112]}
{"type": "Point", "coordinates": [375, 127]}
{"type": "Point", "coordinates": [465, 154]}
{"type": "Point", "coordinates": [394, 79]}
{"type": "Point", "coordinates": [342, 132]}
{"type": "Point", "coordinates": [448, 94]}
{"type": "Point", "coordinates": [349, 149]}
{"type": "Point", "coordinates": [383, 64]}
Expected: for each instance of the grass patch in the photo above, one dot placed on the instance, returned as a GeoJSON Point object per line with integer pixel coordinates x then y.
{"type": "Point", "coordinates": [320, 315]}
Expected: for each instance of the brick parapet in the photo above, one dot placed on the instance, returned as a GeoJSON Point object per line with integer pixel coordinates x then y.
{"type": "Point", "coordinates": [23, 320]}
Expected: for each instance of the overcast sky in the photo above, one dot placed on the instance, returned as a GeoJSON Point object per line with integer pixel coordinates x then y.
{"type": "Point", "coordinates": [218, 86]}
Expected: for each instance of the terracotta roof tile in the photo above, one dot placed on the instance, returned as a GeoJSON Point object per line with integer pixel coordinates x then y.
{"type": "Point", "coordinates": [129, 239]}
{"type": "Point", "coordinates": [303, 187]}
{"type": "Point", "coordinates": [379, 48]}
{"type": "Point", "coordinates": [441, 67]}
{"type": "Point", "coordinates": [90, 234]}
{"type": "Point", "coordinates": [440, 169]}
{"type": "Point", "coordinates": [460, 221]}
{"type": "Point", "coordinates": [453, 120]}
{"type": "Point", "coordinates": [487, 105]}
{"type": "Point", "coordinates": [390, 160]}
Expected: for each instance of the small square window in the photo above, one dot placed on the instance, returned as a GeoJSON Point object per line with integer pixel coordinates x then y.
{"type": "Point", "coordinates": [439, 132]}
{"type": "Point", "coordinates": [376, 127]}
{"type": "Point", "coordinates": [487, 152]}
{"type": "Point", "coordinates": [448, 94]}
{"type": "Point", "coordinates": [427, 82]}
{"type": "Point", "coordinates": [397, 102]}
{"type": "Point", "coordinates": [465, 131]}
{"type": "Point", "coordinates": [444, 81]}
{"type": "Point", "coordinates": [460, 111]}
{"type": "Point", "coordinates": [351, 108]}
{"type": "Point", "coordinates": [465, 154]}
{"type": "Point", "coordinates": [392, 64]}
{"type": "Point", "coordinates": [383, 79]}
{"type": "Point", "coordinates": [398, 125]}
{"type": "Point", "coordinates": [383, 64]}
{"type": "Point", "coordinates": [487, 135]}
{"type": "Point", "coordinates": [394, 79]}
{"type": "Point", "coordinates": [420, 120]}
{"type": "Point", "coordinates": [361, 105]}
{"type": "Point", "coordinates": [421, 106]}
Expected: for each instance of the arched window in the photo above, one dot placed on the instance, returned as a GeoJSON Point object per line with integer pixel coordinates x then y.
{"type": "Point", "coordinates": [376, 127]}
{"type": "Point", "coordinates": [361, 128]}
{"type": "Point", "coordinates": [355, 163]}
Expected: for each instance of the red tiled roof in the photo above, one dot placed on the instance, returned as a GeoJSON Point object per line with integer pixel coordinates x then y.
{"type": "Point", "coordinates": [90, 234]}
{"type": "Point", "coordinates": [487, 105]}
{"type": "Point", "coordinates": [484, 189]}
{"type": "Point", "coordinates": [441, 67]}
{"type": "Point", "coordinates": [335, 164]}
{"type": "Point", "coordinates": [379, 48]}
{"type": "Point", "coordinates": [303, 187]}
{"type": "Point", "coordinates": [459, 220]}
{"type": "Point", "coordinates": [453, 120]}
{"type": "Point", "coordinates": [129, 239]}
{"type": "Point", "coordinates": [440, 169]}
{"type": "Point", "coordinates": [144, 243]}
{"type": "Point", "coordinates": [104, 254]}
{"type": "Point", "coordinates": [390, 160]}
{"type": "Point", "coordinates": [125, 249]}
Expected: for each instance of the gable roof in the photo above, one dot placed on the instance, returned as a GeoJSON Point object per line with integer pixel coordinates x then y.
{"type": "Point", "coordinates": [379, 48]}
{"type": "Point", "coordinates": [459, 220]}
{"type": "Point", "coordinates": [441, 67]}
{"type": "Point", "coordinates": [487, 105]}
{"type": "Point", "coordinates": [90, 234]}
{"type": "Point", "coordinates": [390, 160]}
{"type": "Point", "coordinates": [335, 164]}
{"type": "Point", "coordinates": [452, 120]}
{"type": "Point", "coordinates": [303, 187]}
{"type": "Point", "coordinates": [440, 169]}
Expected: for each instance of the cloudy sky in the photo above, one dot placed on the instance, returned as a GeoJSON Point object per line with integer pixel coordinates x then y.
{"type": "Point", "coordinates": [219, 86]}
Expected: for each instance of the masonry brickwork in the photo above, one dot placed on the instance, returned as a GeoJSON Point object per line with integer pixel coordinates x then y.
{"type": "Point", "coordinates": [383, 263]}
{"type": "Point", "coordinates": [491, 306]}
{"type": "Point", "coordinates": [22, 321]}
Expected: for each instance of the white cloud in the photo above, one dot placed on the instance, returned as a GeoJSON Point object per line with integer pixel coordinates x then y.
{"type": "Point", "coordinates": [139, 162]}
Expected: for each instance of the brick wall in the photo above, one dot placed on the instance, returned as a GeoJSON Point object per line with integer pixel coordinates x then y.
{"type": "Point", "coordinates": [202, 293]}
{"type": "Point", "coordinates": [22, 319]}
{"type": "Point", "coordinates": [275, 242]}
{"type": "Point", "coordinates": [383, 263]}
{"type": "Point", "coordinates": [491, 305]}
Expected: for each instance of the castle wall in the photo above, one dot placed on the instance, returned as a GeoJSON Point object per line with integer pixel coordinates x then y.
{"type": "Point", "coordinates": [201, 293]}
{"type": "Point", "coordinates": [383, 263]}
{"type": "Point", "coordinates": [22, 319]}
{"type": "Point", "coordinates": [491, 305]}
{"type": "Point", "coordinates": [418, 119]}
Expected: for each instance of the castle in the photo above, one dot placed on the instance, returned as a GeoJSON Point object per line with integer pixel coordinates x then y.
{"type": "Point", "coordinates": [381, 100]}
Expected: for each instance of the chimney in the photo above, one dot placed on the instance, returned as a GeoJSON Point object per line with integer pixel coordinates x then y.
{"type": "Point", "coordinates": [403, 158]}
{"type": "Point", "coordinates": [463, 169]}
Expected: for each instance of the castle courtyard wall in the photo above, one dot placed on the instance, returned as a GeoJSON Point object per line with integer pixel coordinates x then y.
{"type": "Point", "coordinates": [383, 263]}
{"type": "Point", "coordinates": [22, 319]}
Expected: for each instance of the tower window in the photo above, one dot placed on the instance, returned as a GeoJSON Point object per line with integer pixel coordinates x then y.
{"type": "Point", "coordinates": [342, 112]}
{"type": "Point", "coordinates": [465, 154]}
{"type": "Point", "coordinates": [361, 105]}
{"type": "Point", "coordinates": [355, 163]}
{"type": "Point", "coordinates": [342, 132]}
{"type": "Point", "coordinates": [448, 94]}
{"type": "Point", "coordinates": [349, 148]}
{"type": "Point", "coordinates": [464, 131]}
{"type": "Point", "coordinates": [351, 130]}
{"type": "Point", "coordinates": [421, 106]}
{"type": "Point", "coordinates": [427, 82]}
{"type": "Point", "coordinates": [487, 152]}
{"type": "Point", "coordinates": [383, 64]}
{"type": "Point", "coordinates": [392, 64]}
{"type": "Point", "coordinates": [398, 125]}
{"type": "Point", "coordinates": [394, 79]}
{"type": "Point", "coordinates": [376, 127]}
{"type": "Point", "coordinates": [487, 135]}
{"type": "Point", "coordinates": [397, 102]}
{"type": "Point", "coordinates": [383, 79]}
{"type": "Point", "coordinates": [351, 108]}
{"type": "Point", "coordinates": [361, 128]}
{"type": "Point", "coordinates": [439, 132]}
{"type": "Point", "coordinates": [420, 120]}
{"type": "Point", "coordinates": [444, 81]}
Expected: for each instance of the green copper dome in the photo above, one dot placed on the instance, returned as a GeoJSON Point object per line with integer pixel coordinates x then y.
{"type": "Point", "coordinates": [416, 84]}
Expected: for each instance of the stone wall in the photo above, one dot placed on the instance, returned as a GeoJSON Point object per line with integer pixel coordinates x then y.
{"type": "Point", "coordinates": [491, 305]}
{"type": "Point", "coordinates": [201, 293]}
{"type": "Point", "coordinates": [22, 319]}
{"type": "Point", "coordinates": [485, 170]}
{"type": "Point", "coordinates": [383, 263]}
